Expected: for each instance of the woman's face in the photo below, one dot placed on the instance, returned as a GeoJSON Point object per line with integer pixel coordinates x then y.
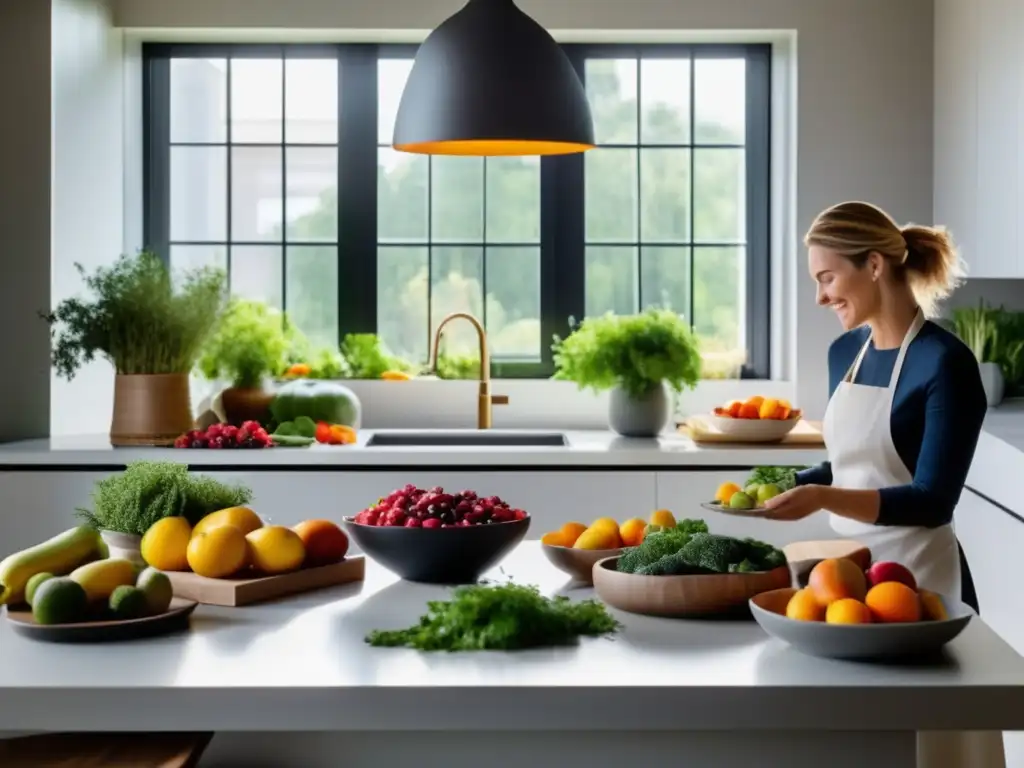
{"type": "Point", "coordinates": [852, 292]}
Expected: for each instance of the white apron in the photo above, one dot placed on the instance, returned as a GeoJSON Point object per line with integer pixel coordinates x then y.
{"type": "Point", "coordinates": [860, 448]}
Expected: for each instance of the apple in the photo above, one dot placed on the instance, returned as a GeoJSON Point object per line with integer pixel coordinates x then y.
{"type": "Point", "coordinates": [888, 571]}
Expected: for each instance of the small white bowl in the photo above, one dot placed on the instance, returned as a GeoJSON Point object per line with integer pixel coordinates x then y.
{"type": "Point", "coordinates": [754, 430]}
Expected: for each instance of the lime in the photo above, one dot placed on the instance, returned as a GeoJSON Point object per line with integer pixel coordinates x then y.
{"type": "Point", "coordinates": [741, 500]}
{"type": "Point", "coordinates": [158, 590]}
{"type": "Point", "coordinates": [33, 585]}
{"type": "Point", "coordinates": [128, 603]}
{"type": "Point", "coordinates": [59, 601]}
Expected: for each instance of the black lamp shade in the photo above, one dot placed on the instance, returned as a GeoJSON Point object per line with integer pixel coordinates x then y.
{"type": "Point", "coordinates": [491, 81]}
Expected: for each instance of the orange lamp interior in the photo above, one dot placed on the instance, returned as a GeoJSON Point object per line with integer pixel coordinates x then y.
{"type": "Point", "coordinates": [493, 147]}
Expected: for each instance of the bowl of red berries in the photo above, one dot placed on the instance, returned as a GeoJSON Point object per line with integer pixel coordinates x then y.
{"type": "Point", "coordinates": [250, 435]}
{"type": "Point", "coordinates": [433, 536]}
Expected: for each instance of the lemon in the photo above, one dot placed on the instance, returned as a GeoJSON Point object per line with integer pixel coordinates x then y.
{"type": "Point", "coordinates": [242, 518]}
{"type": "Point", "coordinates": [663, 518]}
{"type": "Point", "coordinates": [275, 549]}
{"type": "Point", "coordinates": [165, 545]}
{"type": "Point", "coordinates": [219, 552]}
{"type": "Point", "coordinates": [606, 522]}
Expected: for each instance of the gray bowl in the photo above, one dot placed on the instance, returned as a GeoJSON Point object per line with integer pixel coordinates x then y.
{"type": "Point", "coordinates": [857, 641]}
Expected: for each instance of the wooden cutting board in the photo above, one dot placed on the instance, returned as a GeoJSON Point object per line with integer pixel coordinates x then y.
{"type": "Point", "coordinates": [804, 555]}
{"type": "Point", "coordinates": [245, 591]}
{"type": "Point", "coordinates": [700, 430]}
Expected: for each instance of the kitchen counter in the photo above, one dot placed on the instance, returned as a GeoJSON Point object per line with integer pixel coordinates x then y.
{"type": "Point", "coordinates": [1006, 422]}
{"type": "Point", "coordinates": [585, 448]}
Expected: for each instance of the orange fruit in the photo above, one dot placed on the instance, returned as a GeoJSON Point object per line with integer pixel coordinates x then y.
{"type": "Point", "coordinates": [554, 539]}
{"type": "Point", "coordinates": [664, 518]}
{"type": "Point", "coordinates": [932, 607]}
{"type": "Point", "coordinates": [891, 602]}
{"type": "Point", "coordinates": [848, 611]}
{"type": "Point", "coordinates": [749, 411]}
{"type": "Point", "coordinates": [632, 532]}
{"type": "Point", "coordinates": [606, 522]}
{"type": "Point", "coordinates": [804, 606]}
{"type": "Point", "coordinates": [733, 408]}
{"type": "Point", "coordinates": [275, 549]}
{"type": "Point", "coordinates": [571, 532]}
{"type": "Point", "coordinates": [755, 401]}
{"type": "Point", "coordinates": [769, 409]}
{"type": "Point", "coordinates": [218, 553]}
{"type": "Point", "coordinates": [324, 541]}
{"type": "Point", "coordinates": [725, 492]}
{"type": "Point", "coordinates": [599, 537]}
{"type": "Point", "coordinates": [836, 579]}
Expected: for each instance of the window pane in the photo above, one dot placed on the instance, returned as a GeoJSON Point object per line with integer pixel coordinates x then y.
{"type": "Point", "coordinates": [256, 273]}
{"type": "Point", "coordinates": [719, 302]}
{"type": "Point", "coordinates": [720, 101]}
{"type": "Point", "coordinates": [256, 100]}
{"type": "Point", "coordinates": [391, 77]}
{"type": "Point", "coordinates": [401, 196]}
{"type": "Point", "coordinates": [311, 101]}
{"type": "Point", "coordinates": [513, 200]}
{"type": "Point", "coordinates": [611, 90]}
{"type": "Point", "coordinates": [189, 257]}
{"type": "Point", "coordinates": [665, 195]}
{"type": "Point", "coordinates": [513, 302]}
{"type": "Point", "coordinates": [402, 287]}
{"type": "Point", "coordinates": [611, 280]}
{"type": "Point", "coordinates": [456, 280]}
{"type": "Point", "coordinates": [256, 196]}
{"type": "Point", "coordinates": [198, 193]}
{"type": "Point", "coordinates": [456, 199]}
{"type": "Point", "coordinates": [664, 101]}
{"type": "Point", "coordinates": [720, 193]}
{"type": "Point", "coordinates": [311, 297]}
{"type": "Point", "coordinates": [312, 200]}
{"type": "Point", "coordinates": [665, 279]}
{"type": "Point", "coordinates": [610, 195]}
{"type": "Point", "coordinates": [199, 100]}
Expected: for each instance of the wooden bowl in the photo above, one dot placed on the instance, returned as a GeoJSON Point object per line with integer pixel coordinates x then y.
{"type": "Point", "coordinates": [754, 430]}
{"type": "Point", "coordinates": [682, 595]}
{"type": "Point", "coordinates": [578, 563]}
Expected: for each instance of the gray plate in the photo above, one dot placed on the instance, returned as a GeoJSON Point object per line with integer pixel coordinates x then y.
{"type": "Point", "coordinates": [725, 509]}
{"type": "Point", "coordinates": [860, 641]}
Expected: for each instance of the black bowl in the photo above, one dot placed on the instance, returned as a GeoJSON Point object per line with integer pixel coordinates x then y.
{"type": "Point", "coordinates": [438, 555]}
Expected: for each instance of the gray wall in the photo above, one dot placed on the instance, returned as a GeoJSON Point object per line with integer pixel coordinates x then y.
{"type": "Point", "coordinates": [24, 217]}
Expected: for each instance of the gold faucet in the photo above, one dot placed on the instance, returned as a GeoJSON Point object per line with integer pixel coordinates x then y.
{"type": "Point", "coordinates": [484, 398]}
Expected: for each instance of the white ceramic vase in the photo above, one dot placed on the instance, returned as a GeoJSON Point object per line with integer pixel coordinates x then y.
{"type": "Point", "coordinates": [993, 382]}
{"type": "Point", "coordinates": [124, 545]}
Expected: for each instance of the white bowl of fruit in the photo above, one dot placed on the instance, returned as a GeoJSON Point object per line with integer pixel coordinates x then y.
{"type": "Point", "coordinates": [757, 419]}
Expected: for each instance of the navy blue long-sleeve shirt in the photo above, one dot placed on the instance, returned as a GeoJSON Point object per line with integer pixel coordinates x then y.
{"type": "Point", "coordinates": [937, 413]}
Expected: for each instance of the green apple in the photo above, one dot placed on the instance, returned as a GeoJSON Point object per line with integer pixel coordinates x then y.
{"type": "Point", "coordinates": [751, 490]}
{"type": "Point", "coordinates": [741, 500]}
{"type": "Point", "coordinates": [767, 491]}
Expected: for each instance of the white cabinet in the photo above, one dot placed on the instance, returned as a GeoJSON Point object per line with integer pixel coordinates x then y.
{"type": "Point", "coordinates": [979, 144]}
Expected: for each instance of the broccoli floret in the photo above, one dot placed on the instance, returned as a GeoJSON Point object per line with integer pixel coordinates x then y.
{"type": "Point", "coordinates": [743, 566]}
{"type": "Point", "coordinates": [713, 553]}
{"type": "Point", "coordinates": [764, 556]}
{"type": "Point", "coordinates": [669, 565]}
{"type": "Point", "coordinates": [658, 544]}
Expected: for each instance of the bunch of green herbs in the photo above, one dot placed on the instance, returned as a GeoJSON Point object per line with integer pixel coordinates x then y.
{"type": "Point", "coordinates": [366, 357]}
{"type": "Point", "coordinates": [250, 344]}
{"type": "Point", "coordinates": [143, 319]}
{"type": "Point", "coordinates": [504, 617]}
{"type": "Point", "coordinates": [635, 352]}
{"type": "Point", "coordinates": [147, 491]}
{"type": "Point", "coordinates": [783, 477]}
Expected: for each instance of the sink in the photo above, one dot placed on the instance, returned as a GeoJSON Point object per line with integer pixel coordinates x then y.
{"type": "Point", "coordinates": [472, 438]}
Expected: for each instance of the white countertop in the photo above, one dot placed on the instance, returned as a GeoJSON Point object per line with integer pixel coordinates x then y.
{"type": "Point", "coordinates": [593, 448]}
{"type": "Point", "coordinates": [1006, 421]}
{"type": "Point", "coordinates": [301, 664]}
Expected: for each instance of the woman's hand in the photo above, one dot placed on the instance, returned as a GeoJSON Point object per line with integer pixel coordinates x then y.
{"type": "Point", "coordinates": [796, 503]}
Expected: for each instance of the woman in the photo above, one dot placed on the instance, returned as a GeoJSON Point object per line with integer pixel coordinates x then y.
{"type": "Point", "coordinates": [904, 417]}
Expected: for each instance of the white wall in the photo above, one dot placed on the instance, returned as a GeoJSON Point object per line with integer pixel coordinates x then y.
{"type": "Point", "coordinates": [88, 183]}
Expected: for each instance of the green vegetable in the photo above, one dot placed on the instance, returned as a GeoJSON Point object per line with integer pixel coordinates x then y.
{"type": "Point", "coordinates": [147, 491]}
{"type": "Point", "coordinates": [128, 602]}
{"type": "Point", "coordinates": [366, 358]}
{"type": "Point", "coordinates": [249, 345]}
{"type": "Point", "coordinates": [143, 319]}
{"type": "Point", "coordinates": [317, 400]}
{"type": "Point", "coordinates": [635, 352]}
{"type": "Point", "coordinates": [784, 477]}
{"type": "Point", "coordinates": [292, 441]}
{"type": "Point", "coordinates": [712, 553]}
{"type": "Point", "coordinates": [657, 544]}
{"type": "Point", "coordinates": [499, 618]}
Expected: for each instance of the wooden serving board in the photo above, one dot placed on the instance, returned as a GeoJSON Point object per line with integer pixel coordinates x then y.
{"type": "Point", "coordinates": [804, 555]}
{"type": "Point", "coordinates": [245, 591]}
{"type": "Point", "coordinates": [700, 430]}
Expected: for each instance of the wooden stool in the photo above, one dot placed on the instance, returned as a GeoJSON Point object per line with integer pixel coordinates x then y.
{"type": "Point", "coordinates": [104, 750]}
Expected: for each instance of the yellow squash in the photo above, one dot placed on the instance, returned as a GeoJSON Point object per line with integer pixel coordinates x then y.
{"type": "Point", "coordinates": [101, 578]}
{"type": "Point", "coordinates": [59, 556]}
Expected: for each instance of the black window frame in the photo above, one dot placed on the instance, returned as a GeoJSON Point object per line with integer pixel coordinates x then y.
{"type": "Point", "coordinates": [562, 239]}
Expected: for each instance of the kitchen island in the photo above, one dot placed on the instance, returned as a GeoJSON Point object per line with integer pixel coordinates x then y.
{"type": "Point", "coordinates": [292, 683]}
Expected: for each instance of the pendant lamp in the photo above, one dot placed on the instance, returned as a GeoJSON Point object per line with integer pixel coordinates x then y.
{"type": "Point", "coordinates": [491, 81]}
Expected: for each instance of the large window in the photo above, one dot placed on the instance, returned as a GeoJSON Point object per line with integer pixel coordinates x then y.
{"type": "Point", "coordinates": [275, 163]}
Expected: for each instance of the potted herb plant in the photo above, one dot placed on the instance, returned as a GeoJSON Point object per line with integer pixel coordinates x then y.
{"type": "Point", "coordinates": [978, 329]}
{"type": "Point", "coordinates": [151, 327]}
{"type": "Point", "coordinates": [125, 505]}
{"type": "Point", "coordinates": [637, 357]}
{"type": "Point", "coordinates": [249, 346]}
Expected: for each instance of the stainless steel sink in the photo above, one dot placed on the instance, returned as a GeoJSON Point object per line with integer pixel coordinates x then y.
{"type": "Point", "coordinates": [470, 438]}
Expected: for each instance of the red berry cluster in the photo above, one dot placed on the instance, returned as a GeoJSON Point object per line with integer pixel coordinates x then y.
{"type": "Point", "coordinates": [414, 507]}
{"type": "Point", "coordinates": [250, 435]}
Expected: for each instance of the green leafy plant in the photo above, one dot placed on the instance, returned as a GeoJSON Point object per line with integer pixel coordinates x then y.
{"type": "Point", "coordinates": [250, 344]}
{"type": "Point", "coordinates": [977, 327]}
{"type": "Point", "coordinates": [366, 357]}
{"type": "Point", "coordinates": [139, 319]}
{"type": "Point", "coordinates": [1008, 347]}
{"type": "Point", "coordinates": [635, 352]}
{"type": "Point", "coordinates": [147, 491]}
